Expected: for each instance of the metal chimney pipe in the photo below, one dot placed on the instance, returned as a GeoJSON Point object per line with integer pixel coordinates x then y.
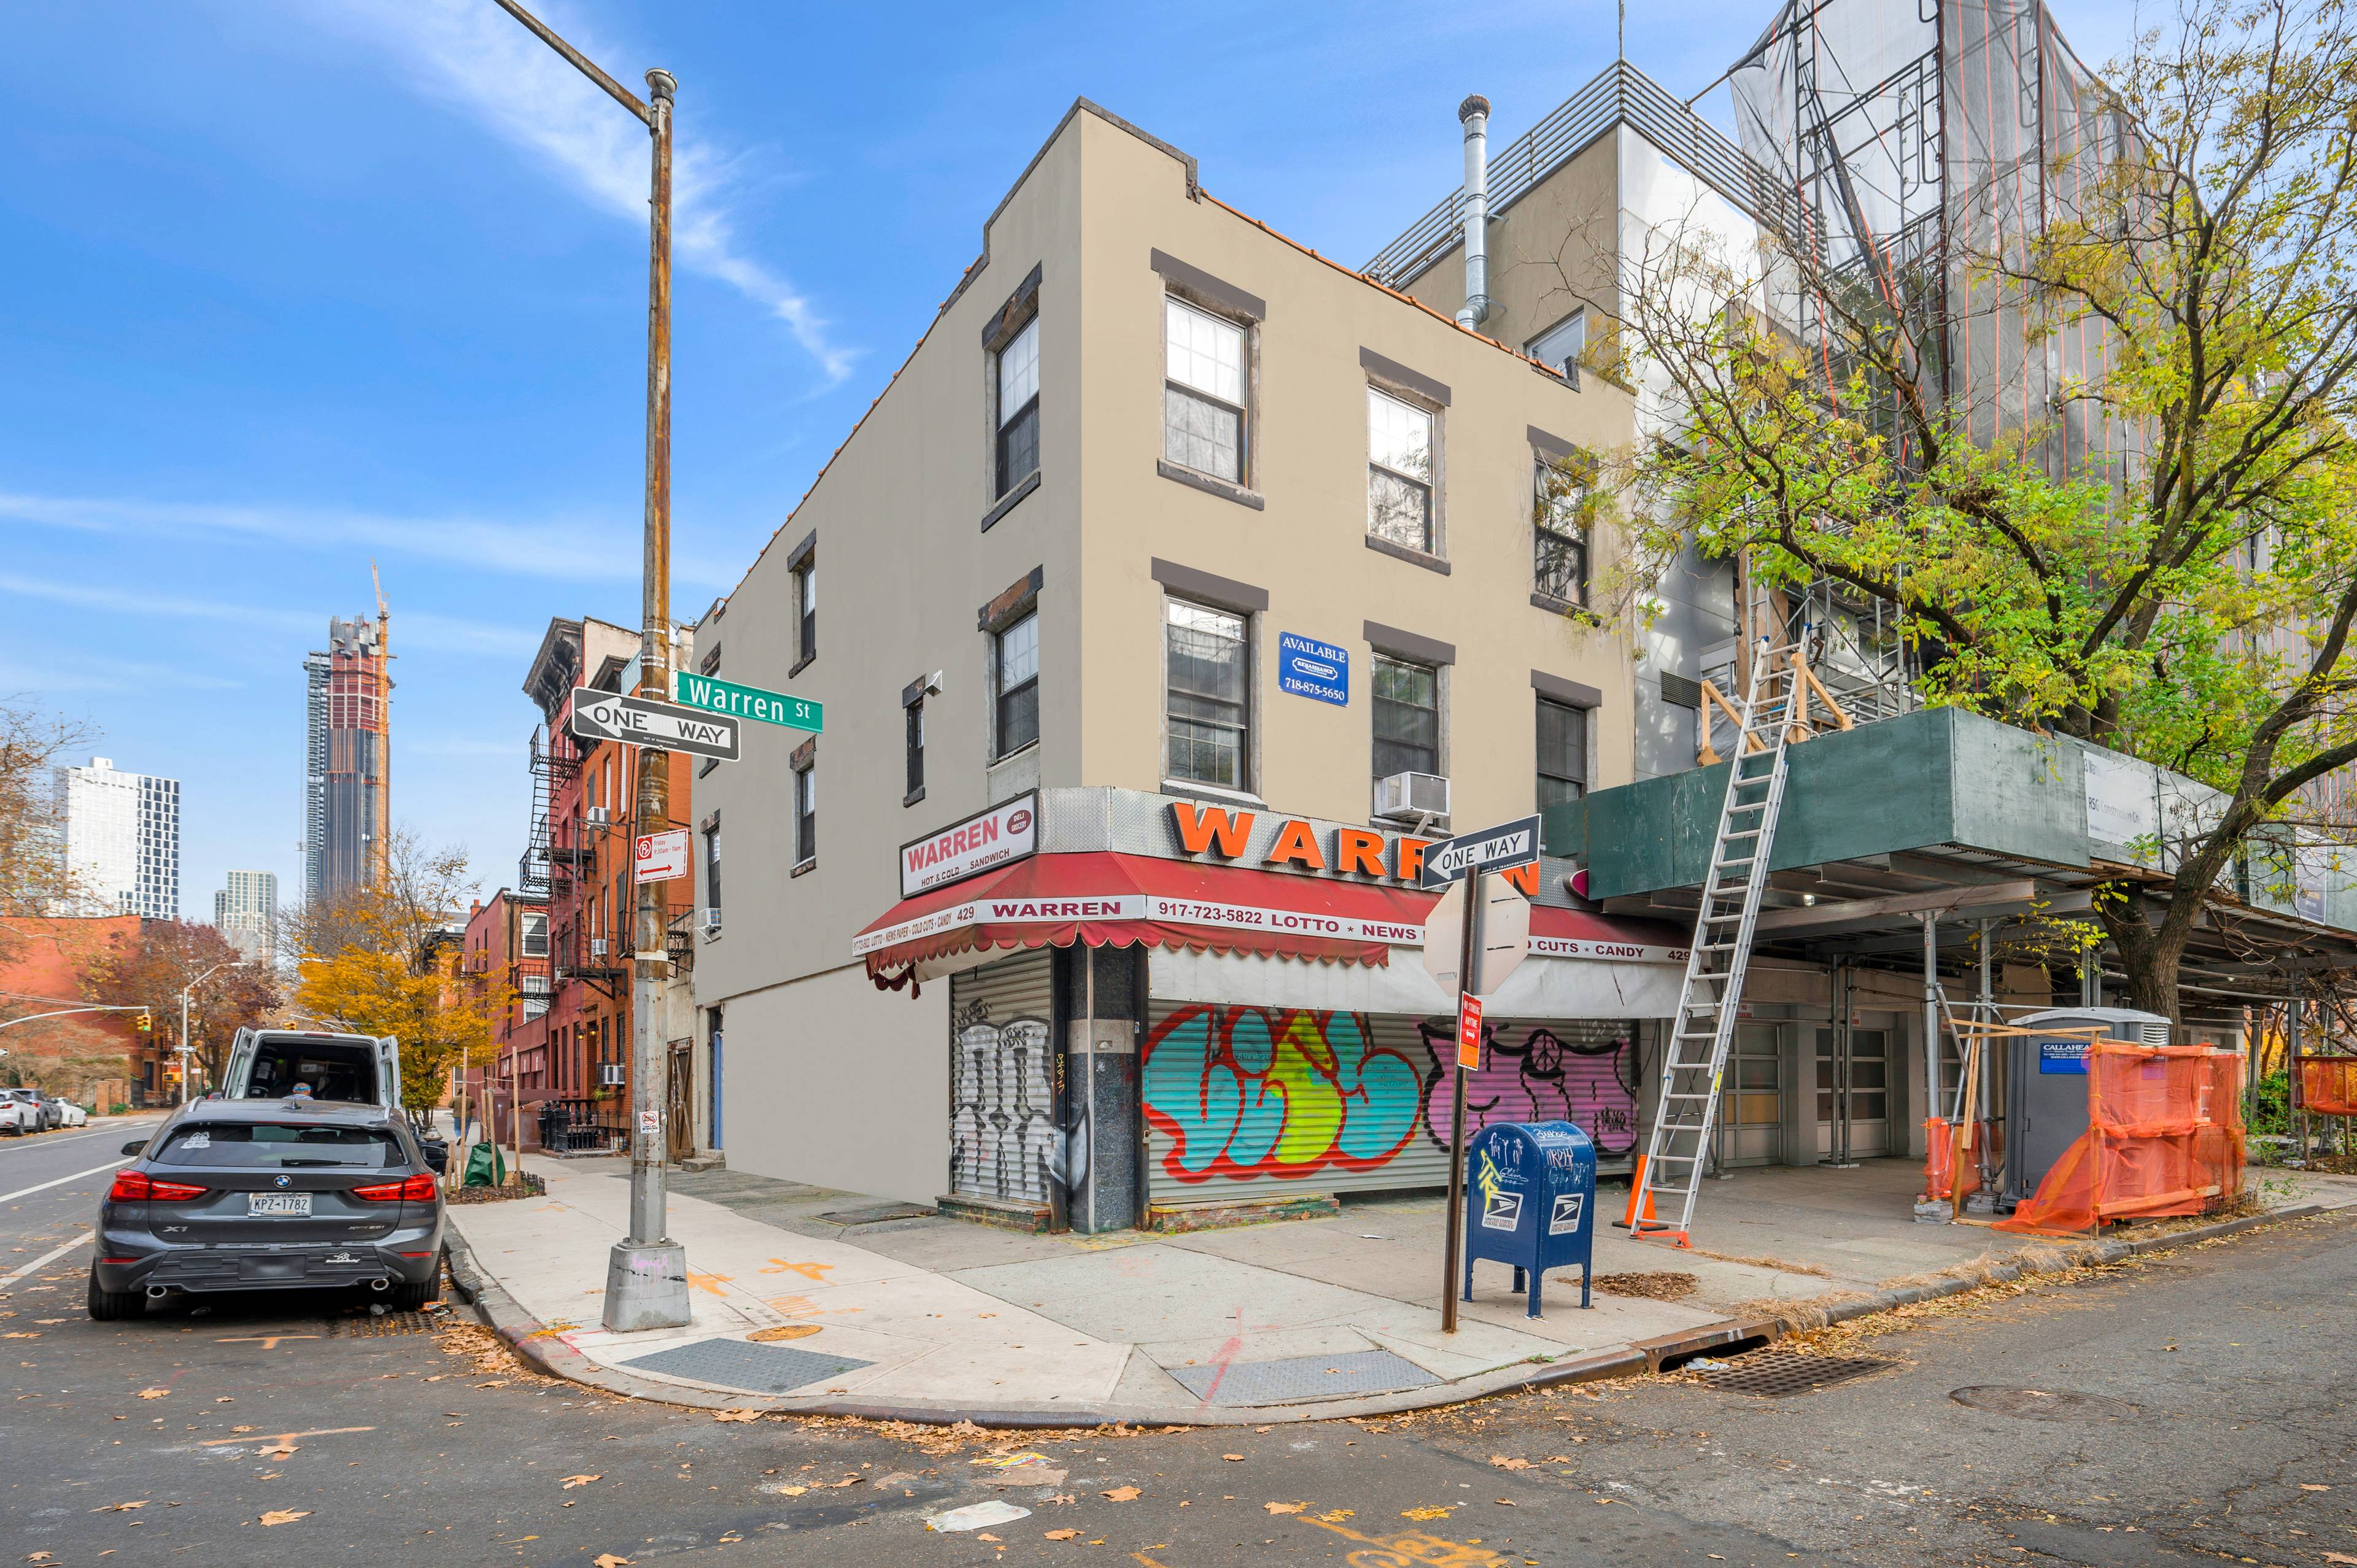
{"type": "Point", "coordinates": [1474, 114]}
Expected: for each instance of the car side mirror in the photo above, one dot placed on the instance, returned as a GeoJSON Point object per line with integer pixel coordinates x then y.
{"type": "Point", "coordinates": [136, 1147]}
{"type": "Point", "coordinates": [437, 1155]}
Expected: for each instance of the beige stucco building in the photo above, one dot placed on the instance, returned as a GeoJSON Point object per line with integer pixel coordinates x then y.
{"type": "Point", "coordinates": [1155, 477]}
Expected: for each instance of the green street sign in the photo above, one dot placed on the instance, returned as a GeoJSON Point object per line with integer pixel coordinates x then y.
{"type": "Point", "coordinates": [746, 702]}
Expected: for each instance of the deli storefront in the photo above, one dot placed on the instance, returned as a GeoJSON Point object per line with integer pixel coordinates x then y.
{"type": "Point", "coordinates": [1163, 1011]}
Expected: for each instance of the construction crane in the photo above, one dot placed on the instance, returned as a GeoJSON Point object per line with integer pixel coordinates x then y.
{"type": "Point", "coordinates": [380, 829]}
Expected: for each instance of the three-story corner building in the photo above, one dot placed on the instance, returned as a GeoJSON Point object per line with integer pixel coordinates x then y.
{"type": "Point", "coordinates": [1181, 586]}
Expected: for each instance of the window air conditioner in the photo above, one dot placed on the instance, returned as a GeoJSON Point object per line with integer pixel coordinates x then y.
{"type": "Point", "coordinates": [596, 947]}
{"type": "Point", "coordinates": [712, 919]}
{"type": "Point", "coordinates": [610, 1075]}
{"type": "Point", "coordinates": [598, 816]}
{"type": "Point", "coordinates": [1412, 796]}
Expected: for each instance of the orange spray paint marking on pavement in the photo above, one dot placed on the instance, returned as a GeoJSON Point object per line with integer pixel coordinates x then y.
{"type": "Point", "coordinates": [814, 1272]}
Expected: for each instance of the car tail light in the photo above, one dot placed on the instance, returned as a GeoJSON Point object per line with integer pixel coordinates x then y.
{"type": "Point", "coordinates": [139, 1186]}
{"type": "Point", "coordinates": [419, 1189]}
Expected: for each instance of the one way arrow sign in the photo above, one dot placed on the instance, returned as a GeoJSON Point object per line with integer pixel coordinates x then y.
{"type": "Point", "coordinates": [1493, 849]}
{"type": "Point", "coordinates": [643, 721]}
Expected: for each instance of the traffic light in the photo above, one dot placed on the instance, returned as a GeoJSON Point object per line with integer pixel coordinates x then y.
{"type": "Point", "coordinates": [146, 1023]}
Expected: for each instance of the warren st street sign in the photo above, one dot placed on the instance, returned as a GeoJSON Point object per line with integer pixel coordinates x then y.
{"type": "Point", "coordinates": [746, 702]}
{"type": "Point", "coordinates": [643, 721]}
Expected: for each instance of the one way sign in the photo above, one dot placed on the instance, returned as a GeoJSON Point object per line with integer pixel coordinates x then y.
{"type": "Point", "coordinates": [1494, 849]}
{"type": "Point", "coordinates": [643, 721]}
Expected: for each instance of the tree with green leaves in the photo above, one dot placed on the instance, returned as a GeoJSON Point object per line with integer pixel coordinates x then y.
{"type": "Point", "coordinates": [2191, 605]}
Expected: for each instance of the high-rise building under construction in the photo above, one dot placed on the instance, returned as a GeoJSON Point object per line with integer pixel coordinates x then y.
{"type": "Point", "coordinates": [347, 781]}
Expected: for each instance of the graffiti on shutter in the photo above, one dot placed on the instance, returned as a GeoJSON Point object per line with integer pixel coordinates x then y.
{"type": "Point", "coordinates": [1343, 1101]}
{"type": "Point", "coordinates": [1002, 1087]}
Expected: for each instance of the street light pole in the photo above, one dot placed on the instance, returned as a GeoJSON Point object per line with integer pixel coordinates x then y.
{"type": "Point", "coordinates": [182, 1048]}
{"type": "Point", "coordinates": [646, 1273]}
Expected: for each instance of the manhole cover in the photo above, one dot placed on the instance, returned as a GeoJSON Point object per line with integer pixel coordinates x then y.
{"type": "Point", "coordinates": [2042, 1404]}
{"type": "Point", "coordinates": [1776, 1374]}
{"type": "Point", "coordinates": [372, 1327]}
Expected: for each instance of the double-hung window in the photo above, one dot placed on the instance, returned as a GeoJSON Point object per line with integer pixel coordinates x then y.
{"type": "Point", "coordinates": [1407, 717]}
{"type": "Point", "coordinates": [1563, 752]}
{"type": "Point", "coordinates": [712, 869]}
{"type": "Point", "coordinates": [1017, 653]}
{"type": "Point", "coordinates": [1399, 471]}
{"type": "Point", "coordinates": [1559, 495]}
{"type": "Point", "coordinates": [806, 813]}
{"type": "Point", "coordinates": [1208, 694]}
{"type": "Point", "coordinates": [1559, 347]}
{"type": "Point", "coordinates": [916, 712]}
{"type": "Point", "coordinates": [532, 935]}
{"type": "Point", "coordinates": [806, 612]}
{"type": "Point", "coordinates": [1202, 391]}
{"type": "Point", "coordinates": [1018, 407]}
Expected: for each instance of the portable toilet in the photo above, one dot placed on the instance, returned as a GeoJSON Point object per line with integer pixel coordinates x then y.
{"type": "Point", "coordinates": [2046, 1087]}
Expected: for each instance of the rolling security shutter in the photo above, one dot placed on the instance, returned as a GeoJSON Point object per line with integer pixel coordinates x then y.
{"type": "Point", "coordinates": [1249, 1102]}
{"type": "Point", "coordinates": [1002, 1078]}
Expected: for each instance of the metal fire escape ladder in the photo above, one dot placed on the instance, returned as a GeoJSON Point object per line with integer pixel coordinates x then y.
{"type": "Point", "coordinates": [1694, 1062]}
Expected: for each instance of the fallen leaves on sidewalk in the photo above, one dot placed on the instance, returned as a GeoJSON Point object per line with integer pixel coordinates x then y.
{"type": "Point", "coordinates": [1423, 1513]}
{"type": "Point", "coordinates": [1506, 1502]}
{"type": "Point", "coordinates": [607, 1560]}
{"type": "Point", "coordinates": [1284, 1508]}
{"type": "Point", "coordinates": [284, 1516]}
{"type": "Point", "coordinates": [1236, 1457]}
{"type": "Point", "coordinates": [1059, 1534]}
{"type": "Point", "coordinates": [1668, 1285]}
{"type": "Point", "coordinates": [281, 1450]}
{"type": "Point", "coordinates": [736, 1415]}
{"type": "Point", "coordinates": [153, 1394]}
{"type": "Point", "coordinates": [1120, 1494]}
{"type": "Point", "coordinates": [573, 1481]}
{"type": "Point", "coordinates": [121, 1507]}
{"type": "Point", "coordinates": [1502, 1463]}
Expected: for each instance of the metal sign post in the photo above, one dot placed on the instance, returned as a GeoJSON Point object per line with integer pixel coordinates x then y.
{"type": "Point", "coordinates": [1465, 858]}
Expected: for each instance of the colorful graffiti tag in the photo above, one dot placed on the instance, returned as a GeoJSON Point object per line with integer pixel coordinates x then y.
{"type": "Point", "coordinates": [1254, 1092]}
{"type": "Point", "coordinates": [1540, 1078]}
{"type": "Point", "coordinates": [1002, 1108]}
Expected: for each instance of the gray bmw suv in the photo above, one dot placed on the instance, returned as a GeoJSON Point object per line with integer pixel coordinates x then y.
{"type": "Point", "coordinates": [270, 1194]}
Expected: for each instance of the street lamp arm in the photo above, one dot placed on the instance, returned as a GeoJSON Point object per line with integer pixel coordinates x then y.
{"type": "Point", "coordinates": [581, 62]}
{"type": "Point", "coordinates": [62, 1011]}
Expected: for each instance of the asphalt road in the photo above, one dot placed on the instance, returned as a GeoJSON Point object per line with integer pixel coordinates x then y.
{"type": "Point", "coordinates": [389, 1441]}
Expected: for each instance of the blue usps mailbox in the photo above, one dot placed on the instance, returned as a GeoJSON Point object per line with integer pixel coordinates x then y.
{"type": "Point", "coordinates": [1530, 1191]}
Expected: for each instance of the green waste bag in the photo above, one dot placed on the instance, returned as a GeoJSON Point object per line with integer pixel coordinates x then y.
{"type": "Point", "coordinates": [484, 1166]}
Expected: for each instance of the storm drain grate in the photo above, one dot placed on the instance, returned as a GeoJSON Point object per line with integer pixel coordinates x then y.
{"type": "Point", "coordinates": [369, 1327]}
{"type": "Point", "coordinates": [1301, 1378]}
{"type": "Point", "coordinates": [876, 1213]}
{"type": "Point", "coordinates": [1779, 1374]}
{"type": "Point", "coordinates": [749, 1369]}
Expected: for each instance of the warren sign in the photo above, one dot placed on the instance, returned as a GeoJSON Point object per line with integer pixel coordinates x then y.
{"type": "Point", "coordinates": [1006, 832]}
{"type": "Point", "coordinates": [728, 697]}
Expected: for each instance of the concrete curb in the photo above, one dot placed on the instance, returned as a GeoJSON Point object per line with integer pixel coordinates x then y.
{"type": "Point", "coordinates": [539, 1345]}
{"type": "Point", "coordinates": [2099, 1252]}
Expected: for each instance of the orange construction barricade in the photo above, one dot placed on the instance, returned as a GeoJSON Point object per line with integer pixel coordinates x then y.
{"type": "Point", "coordinates": [2164, 1137]}
{"type": "Point", "coordinates": [2327, 1085]}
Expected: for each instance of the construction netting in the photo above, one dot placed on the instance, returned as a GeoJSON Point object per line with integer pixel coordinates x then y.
{"type": "Point", "coordinates": [2164, 1137]}
{"type": "Point", "coordinates": [2327, 1085]}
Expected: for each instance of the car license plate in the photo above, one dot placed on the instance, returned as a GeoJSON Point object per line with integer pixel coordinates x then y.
{"type": "Point", "coordinates": [293, 1203]}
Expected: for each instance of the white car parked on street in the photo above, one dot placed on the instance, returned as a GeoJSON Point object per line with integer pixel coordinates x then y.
{"type": "Point", "coordinates": [75, 1116]}
{"type": "Point", "coordinates": [17, 1118]}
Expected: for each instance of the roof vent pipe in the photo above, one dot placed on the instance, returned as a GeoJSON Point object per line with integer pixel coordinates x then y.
{"type": "Point", "coordinates": [1475, 114]}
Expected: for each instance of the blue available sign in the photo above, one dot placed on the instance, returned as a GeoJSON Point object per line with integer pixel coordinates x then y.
{"type": "Point", "coordinates": [2066, 1054]}
{"type": "Point", "coordinates": [1308, 667]}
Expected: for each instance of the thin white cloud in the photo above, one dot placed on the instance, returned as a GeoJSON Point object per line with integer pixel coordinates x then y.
{"type": "Point", "coordinates": [85, 672]}
{"type": "Point", "coordinates": [421, 628]}
{"type": "Point", "coordinates": [565, 550]}
{"type": "Point", "coordinates": [472, 54]}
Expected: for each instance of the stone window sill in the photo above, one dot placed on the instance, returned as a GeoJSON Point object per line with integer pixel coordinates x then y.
{"type": "Point", "coordinates": [1011, 499]}
{"type": "Point", "coordinates": [1422, 558]}
{"type": "Point", "coordinates": [808, 865]}
{"type": "Point", "coordinates": [1211, 486]}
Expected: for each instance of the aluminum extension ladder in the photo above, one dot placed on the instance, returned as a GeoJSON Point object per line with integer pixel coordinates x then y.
{"type": "Point", "coordinates": [1694, 1062]}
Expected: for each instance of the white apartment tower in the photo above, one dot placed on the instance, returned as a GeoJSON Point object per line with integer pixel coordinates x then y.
{"type": "Point", "coordinates": [122, 839]}
{"type": "Point", "coordinates": [246, 910]}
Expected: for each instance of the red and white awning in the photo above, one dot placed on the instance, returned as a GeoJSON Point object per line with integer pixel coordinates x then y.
{"type": "Point", "coordinates": [1103, 899]}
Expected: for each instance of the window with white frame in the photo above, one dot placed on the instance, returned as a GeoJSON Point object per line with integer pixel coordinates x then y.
{"type": "Point", "coordinates": [1208, 696]}
{"type": "Point", "coordinates": [806, 813]}
{"type": "Point", "coordinates": [1560, 491]}
{"type": "Point", "coordinates": [532, 934]}
{"type": "Point", "coordinates": [1018, 407]}
{"type": "Point", "coordinates": [1406, 718]}
{"type": "Point", "coordinates": [806, 610]}
{"type": "Point", "coordinates": [1559, 347]}
{"type": "Point", "coordinates": [1399, 471]}
{"type": "Point", "coordinates": [1015, 652]}
{"type": "Point", "coordinates": [1203, 391]}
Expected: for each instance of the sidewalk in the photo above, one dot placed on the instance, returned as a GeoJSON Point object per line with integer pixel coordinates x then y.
{"type": "Point", "coordinates": [832, 1302]}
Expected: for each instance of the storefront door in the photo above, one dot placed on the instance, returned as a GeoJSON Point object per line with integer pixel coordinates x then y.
{"type": "Point", "coordinates": [1852, 1092]}
{"type": "Point", "coordinates": [1751, 1118]}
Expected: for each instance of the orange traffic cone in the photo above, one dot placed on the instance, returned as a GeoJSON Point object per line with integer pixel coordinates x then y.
{"type": "Point", "coordinates": [1637, 1185]}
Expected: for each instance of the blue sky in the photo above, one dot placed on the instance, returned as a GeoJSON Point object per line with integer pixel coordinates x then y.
{"type": "Point", "coordinates": [297, 284]}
